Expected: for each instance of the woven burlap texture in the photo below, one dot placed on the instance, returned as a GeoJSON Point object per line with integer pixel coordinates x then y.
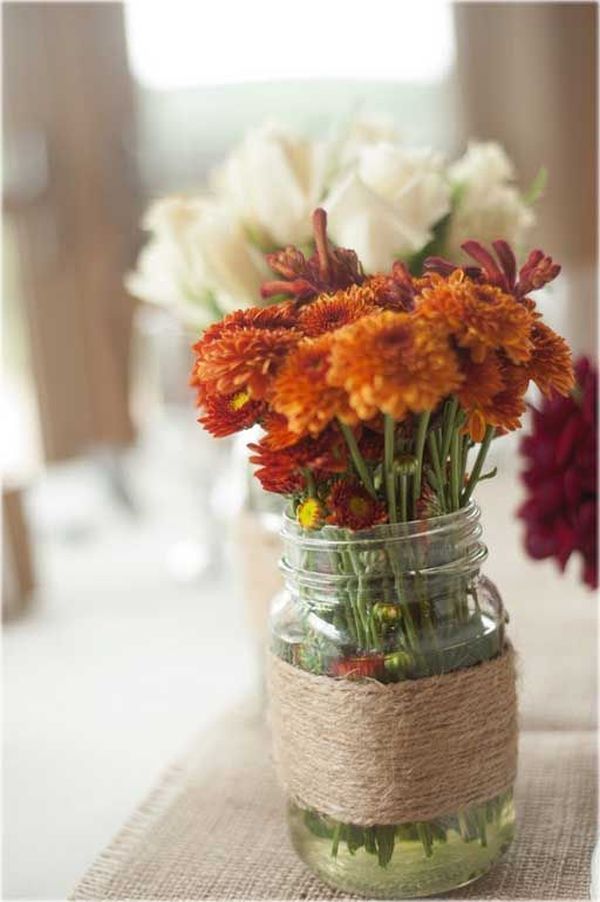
{"type": "Point", "coordinates": [215, 828]}
{"type": "Point", "coordinates": [372, 753]}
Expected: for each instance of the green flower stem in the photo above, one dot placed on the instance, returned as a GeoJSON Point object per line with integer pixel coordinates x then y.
{"type": "Point", "coordinates": [478, 465]}
{"type": "Point", "coordinates": [466, 447]}
{"type": "Point", "coordinates": [403, 497]}
{"type": "Point", "coordinates": [310, 482]}
{"type": "Point", "coordinates": [434, 454]}
{"type": "Point", "coordinates": [389, 449]}
{"type": "Point", "coordinates": [424, 834]}
{"type": "Point", "coordinates": [450, 412]}
{"type": "Point", "coordinates": [453, 493]}
{"type": "Point", "coordinates": [357, 459]}
{"type": "Point", "coordinates": [335, 840]}
{"type": "Point", "coordinates": [410, 628]}
{"type": "Point", "coordinates": [421, 437]}
{"type": "Point", "coordinates": [370, 638]}
{"type": "Point", "coordinates": [360, 615]}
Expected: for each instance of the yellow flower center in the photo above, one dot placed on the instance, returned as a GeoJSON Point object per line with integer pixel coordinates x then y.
{"type": "Point", "coordinates": [239, 400]}
{"type": "Point", "coordinates": [359, 507]}
{"type": "Point", "coordinates": [309, 513]}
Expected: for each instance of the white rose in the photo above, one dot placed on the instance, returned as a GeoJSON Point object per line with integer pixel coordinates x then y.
{"type": "Point", "coordinates": [387, 206]}
{"type": "Point", "coordinates": [273, 181]}
{"type": "Point", "coordinates": [197, 261]}
{"type": "Point", "coordinates": [360, 132]}
{"type": "Point", "coordinates": [489, 205]}
{"type": "Point", "coordinates": [235, 268]}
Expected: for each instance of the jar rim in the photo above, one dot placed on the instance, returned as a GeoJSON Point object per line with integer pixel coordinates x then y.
{"type": "Point", "coordinates": [384, 531]}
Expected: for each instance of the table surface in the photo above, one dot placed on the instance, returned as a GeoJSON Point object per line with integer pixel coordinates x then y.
{"type": "Point", "coordinates": [214, 827]}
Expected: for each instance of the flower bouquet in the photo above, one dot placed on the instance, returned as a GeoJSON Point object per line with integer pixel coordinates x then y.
{"type": "Point", "coordinates": [205, 256]}
{"type": "Point", "coordinates": [392, 681]}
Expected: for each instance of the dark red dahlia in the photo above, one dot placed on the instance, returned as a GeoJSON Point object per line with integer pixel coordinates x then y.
{"type": "Point", "coordinates": [560, 512]}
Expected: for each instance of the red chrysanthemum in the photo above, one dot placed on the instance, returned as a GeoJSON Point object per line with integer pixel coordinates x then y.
{"type": "Point", "coordinates": [278, 434]}
{"type": "Point", "coordinates": [351, 507]}
{"type": "Point", "coordinates": [277, 471]}
{"type": "Point", "coordinates": [561, 453]}
{"type": "Point", "coordinates": [226, 414]}
{"type": "Point", "coordinates": [370, 443]}
{"type": "Point", "coordinates": [284, 471]}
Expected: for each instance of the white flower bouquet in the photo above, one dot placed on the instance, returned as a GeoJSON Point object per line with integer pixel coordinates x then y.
{"type": "Point", "coordinates": [205, 253]}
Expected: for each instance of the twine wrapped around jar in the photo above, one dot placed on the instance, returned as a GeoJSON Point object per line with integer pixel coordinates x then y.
{"type": "Point", "coordinates": [371, 753]}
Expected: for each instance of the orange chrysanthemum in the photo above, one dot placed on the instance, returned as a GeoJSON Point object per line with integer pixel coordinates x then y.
{"type": "Point", "coordinates": [351, 507]}
{"type": "Point", "coordinates": [302, 393]}
{"type": "Point", "coordinates": [276, 316]}
{"type": "Point", "coordinates": [393, 363]}
{"type": "Point", "coordinates": [482, 382]}
{"type": "Point", "coordinates": [508, 406]}
{"type": "Point", "coordinates": [243, 350]}
{"type": "Point", "coordinates": [504, 408]}
{"type": "Point", "coordinates": [479, 317]}
{"type": "Point", "coordinates": [551, 365]}
{"type": "Point", "coordinates": [243, 358]}
{"type": "Point", "coordinates": [332, 311]}
{"type": "Point", "coordinates": [226, 414]}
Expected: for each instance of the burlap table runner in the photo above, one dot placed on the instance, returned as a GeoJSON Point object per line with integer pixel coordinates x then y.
{"type": "Point", "coordinates": [214, 828]}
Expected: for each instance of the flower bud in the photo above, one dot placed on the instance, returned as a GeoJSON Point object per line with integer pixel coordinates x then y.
{"type": "Point", "coordinates": [386, 613]}
{"type": "Point", "coordinates": [406, 465]}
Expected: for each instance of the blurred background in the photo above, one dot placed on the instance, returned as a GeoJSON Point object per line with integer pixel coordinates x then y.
{"type": "Point", "coordinates": [122, 597]}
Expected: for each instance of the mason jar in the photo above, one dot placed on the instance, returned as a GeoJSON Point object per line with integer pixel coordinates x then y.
{"type": "Point", "coordinates": [395, 603]}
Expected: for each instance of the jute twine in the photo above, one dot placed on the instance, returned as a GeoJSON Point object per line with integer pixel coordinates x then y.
{"type": "Point", "coordinates": [368, 753]}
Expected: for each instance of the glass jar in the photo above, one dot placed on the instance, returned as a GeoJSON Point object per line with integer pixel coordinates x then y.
{"type": "Point", "coordinates": [396, 602]}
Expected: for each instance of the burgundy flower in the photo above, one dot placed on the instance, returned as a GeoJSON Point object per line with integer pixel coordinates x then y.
{"type": "Point", "coordinates": [537, 271]}
{"type": "Point", "coordinates": [560, 512]}
{"type": "Point", "coordinates": [328, 270]}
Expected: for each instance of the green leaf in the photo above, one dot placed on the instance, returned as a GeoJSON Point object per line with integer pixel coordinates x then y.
{"type": "Point", "coordinates": [433, 248]}
{"type": "Point", "coordinates": [370, 844]}
{"type": "Point", "coordinates": [537, 187]}
{"type": "Point", "coordinates": [317, 826]}
{"type": "Point", "coordinates": [355, 839]}
{"type": "Point", "coordinates": [385, 844]}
